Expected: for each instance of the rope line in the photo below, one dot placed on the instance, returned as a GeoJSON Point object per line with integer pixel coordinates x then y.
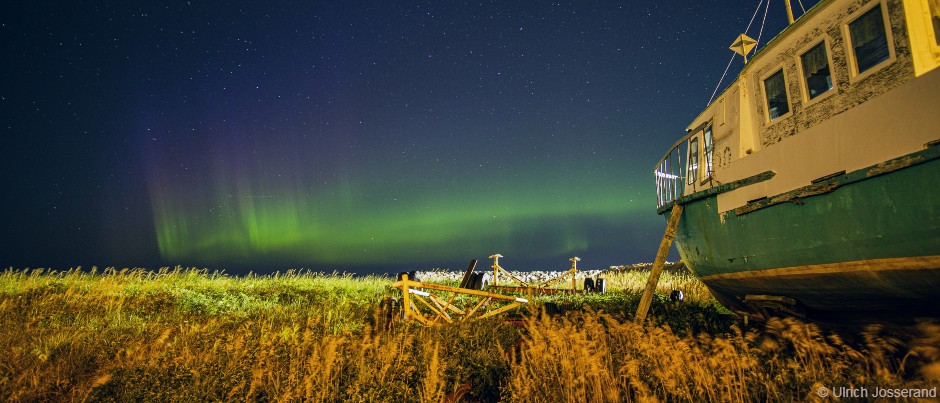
{"type": "Point", "coordinates": [756, 10]}
{"type": "Point", "coordinates": [764, 22]}
{"type": "Point", "coordinates": [754, 15]}
{"type": "Point", "coordinates": [722, 79]}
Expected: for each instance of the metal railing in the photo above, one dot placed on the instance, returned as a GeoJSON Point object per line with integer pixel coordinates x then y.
{"type": "Point", "coordinates": [670, 172]}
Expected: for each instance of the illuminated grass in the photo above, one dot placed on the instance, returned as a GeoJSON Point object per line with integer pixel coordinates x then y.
{"type": "Point", "coordinates": [194, 335]}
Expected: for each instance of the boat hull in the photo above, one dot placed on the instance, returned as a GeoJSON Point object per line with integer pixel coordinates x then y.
{"type": "Point", "coordinates": [869, 245]}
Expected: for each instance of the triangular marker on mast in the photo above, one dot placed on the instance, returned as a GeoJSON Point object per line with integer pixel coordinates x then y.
{"type": "Point", "coordinates": [743, 45]}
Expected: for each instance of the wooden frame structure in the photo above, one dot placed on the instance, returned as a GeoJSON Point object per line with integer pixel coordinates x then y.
{"type": "Point", "coordinates": [528, 288]}
{"type": "Point", "coordinates": [420, 304]}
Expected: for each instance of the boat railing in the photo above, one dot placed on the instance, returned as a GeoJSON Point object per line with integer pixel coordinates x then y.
{"type": "Point", "coordinates": [670, 173]}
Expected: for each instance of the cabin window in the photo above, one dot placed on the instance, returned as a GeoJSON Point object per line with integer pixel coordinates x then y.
{"type": "Point", "coordinates": [815, 65]}
{"type": "Point", "coordinates": [935, 18]}
{"type": "Point", "coordinates": [709, 150]}
{"type": "Point", "coordinates": [775, 88]}
{"type": "Point", "coordinates": [693, 160]}
{"type": "Point", "coordinates": [869, 39]}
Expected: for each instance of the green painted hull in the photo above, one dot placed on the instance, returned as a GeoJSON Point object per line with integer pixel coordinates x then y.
{"type": "Point", "coordinates": [870, 245]}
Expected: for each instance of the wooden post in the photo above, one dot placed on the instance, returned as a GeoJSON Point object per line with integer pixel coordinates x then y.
{"type": "Point", "coordinates": [406, 296]}
{"type": "Point", "coordinates": [574, 273]}
{"type": "Point", "coordinates": [658, 263]}
{"type": "Point", "coordinates": [496, 268]}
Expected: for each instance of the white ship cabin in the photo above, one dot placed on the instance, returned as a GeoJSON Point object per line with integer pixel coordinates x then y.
{"type": "Point", "coordinates": [849, 84]}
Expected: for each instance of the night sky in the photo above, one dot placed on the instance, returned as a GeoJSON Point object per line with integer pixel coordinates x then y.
{"type": "Point", "coordinates": [365, 136]}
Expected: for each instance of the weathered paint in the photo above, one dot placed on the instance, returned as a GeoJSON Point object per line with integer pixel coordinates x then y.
{"type": "Point", "coordinates": [892, 215]}
{"type": "Point", "coordinates": [850, 218]}
{"type": "Point", "coordinates": [891, 125]}
{"type": "Point", "coordinates": [725, 187]}
{"type": "Point", "coordinates": [848, 92]}
{"type": "Point", "coordinates": [844, 126]}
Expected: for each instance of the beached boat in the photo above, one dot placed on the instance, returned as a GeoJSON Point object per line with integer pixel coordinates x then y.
{"type": "Point", "coordinates": [811, 184]}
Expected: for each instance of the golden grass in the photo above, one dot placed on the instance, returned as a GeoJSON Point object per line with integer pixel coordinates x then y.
{"type": "Point", "coordinates": [182, 335]}
{"type": "Point", "coordinates": [602, 359]}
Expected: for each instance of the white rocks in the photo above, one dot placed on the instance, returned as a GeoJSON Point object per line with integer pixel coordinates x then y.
{"type": "Point", "coordinates": [532, 277]}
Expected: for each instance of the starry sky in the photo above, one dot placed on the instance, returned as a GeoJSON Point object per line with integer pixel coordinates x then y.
{"type": "Point", "coordinates": [362, 136]}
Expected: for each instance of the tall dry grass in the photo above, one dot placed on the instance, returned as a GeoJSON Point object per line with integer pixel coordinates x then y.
{"type": "Point", "coordinates": [179, 335]}
{"type": "Point", "coordinates": [189, 334]}
{"type": "Point", "coordinates": [595, 357]}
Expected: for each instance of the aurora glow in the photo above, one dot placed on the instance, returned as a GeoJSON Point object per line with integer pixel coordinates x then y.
{"type": "Point", "coordinates": [284, 209]}
{"type": "Point", "coordinates": [363, 136]}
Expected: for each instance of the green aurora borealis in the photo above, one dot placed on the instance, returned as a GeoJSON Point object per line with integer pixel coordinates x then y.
{"type": "Point", "coordinates": [377, 218]}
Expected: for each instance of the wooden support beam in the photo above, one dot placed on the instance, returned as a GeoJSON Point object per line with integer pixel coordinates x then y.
{"type": "Point", "coordinates": [483, 302]}
{"type": "Point", "coordinates": [657, 270]}
{"type": "Point", "coordinates": [466, 276]}
{"type": "Point", "coordinates": [500, 310]}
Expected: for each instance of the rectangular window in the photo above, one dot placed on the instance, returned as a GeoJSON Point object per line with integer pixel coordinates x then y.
{"type": "Point", "coordinates": [935, 18]}
{"type": "Point", "coordinates": [869, 39]}
{"type": "Point", "coordinates": [709, 150]}
{"type": "Point", "coordinates": [693, 160]}
{"type": "Point", "coordinates": [816, 70]}
{"type": "Point", "coordinates": [775, 88]}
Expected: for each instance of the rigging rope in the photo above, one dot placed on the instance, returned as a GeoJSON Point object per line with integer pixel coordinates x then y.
{"type": "Point", "coordinates": [764, 22]}
{"type": "Point", "coordinates": [754, 15]}
{"type": "Point", "coordinates": [732, 55]}
{"type": "Point", "coordinates": [722, 79]}
{"type": "Point", "coordinates": [801, 6]}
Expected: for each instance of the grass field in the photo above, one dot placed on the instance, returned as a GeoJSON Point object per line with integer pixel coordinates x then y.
{"type": "Point", "coordinates": [185, 334]}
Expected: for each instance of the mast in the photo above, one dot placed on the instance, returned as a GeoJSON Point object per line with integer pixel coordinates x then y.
{"type": "Point", "coordinates": [789, 11]}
